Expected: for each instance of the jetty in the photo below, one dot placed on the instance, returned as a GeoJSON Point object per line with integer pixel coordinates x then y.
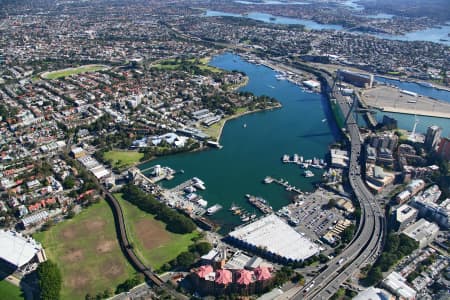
{"type": "Point", "coordinates": [283, 183]}
{"type": "Point", "coordinates": [260, 204]}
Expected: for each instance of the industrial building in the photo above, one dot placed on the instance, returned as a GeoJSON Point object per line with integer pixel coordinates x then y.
{"type": "Point", "coordinates": [357, 79]}
{"type": "Point", "coordinates": [276, 239]}
{"type": "Point", "coordinates": [311, 84]}
{"type": "Point", "coordinates": [35, 219]}
{"type": "Point", "coordinates": [19, 252]}
{"type": "Point", "coordinates": [422, 231]}
{"type": "Point", "coordinates": [373, 293]}
{"type": "Point", "coordinates": [396, 284]}
{"type": "Point", "coordinates": [97, 169]}
{"type": "Point", "coordinates": [339, 158]}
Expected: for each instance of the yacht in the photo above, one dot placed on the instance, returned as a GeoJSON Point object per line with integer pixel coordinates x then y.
{"type": "Point", "coordinates": [213, 209]}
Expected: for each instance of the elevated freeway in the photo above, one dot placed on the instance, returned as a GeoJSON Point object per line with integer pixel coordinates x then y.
{"type": "Point", "coordinates": [368, 240]}
{"type": "Point", "coordinates": [369, 237]}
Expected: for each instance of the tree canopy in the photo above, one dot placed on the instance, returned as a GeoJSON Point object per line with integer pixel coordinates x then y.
{"type": "Point", "coordinates": [49, 280]}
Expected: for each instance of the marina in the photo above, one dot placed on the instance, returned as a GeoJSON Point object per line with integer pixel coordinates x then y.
{"type": "Point", "coordinates": [252, 151]}
{"type": "Point", "coordinates": [304, 163]}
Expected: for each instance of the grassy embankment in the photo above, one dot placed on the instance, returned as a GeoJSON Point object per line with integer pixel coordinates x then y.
{"type": "Point", "coordinates": [153, 244]}
{"type": "Point", "coordinates": [87, 252]}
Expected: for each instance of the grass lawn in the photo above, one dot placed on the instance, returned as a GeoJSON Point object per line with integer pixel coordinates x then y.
{"type": "Point", "coordinates": [73, 71]}
{"type": "Point", "coordinates": [87, 252]}
{"type": "Point", "coordinates": [10, 291]}
{"type": "Point", "coordinates": [123, 159]}
{"type": "Point", "coordinates": [170, 64]}
{"type": "Point", "coordinates": [153, 244]}
{"type": "Point", "coordinates": [215, 129]}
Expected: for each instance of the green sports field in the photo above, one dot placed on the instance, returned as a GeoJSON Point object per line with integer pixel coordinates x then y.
{"type": "Point", "coordinates": [73, 71]}
{"type": "Point", "coordinates": [87, 252]}
{"type": "Point", "coordinates": [172, 64]}
{"type": "Point", "coordinates": [153, 244]}
{"type": "Point", "coordinates": [9, 291]}
{"type": "Point", "coordinates": [123, 159]}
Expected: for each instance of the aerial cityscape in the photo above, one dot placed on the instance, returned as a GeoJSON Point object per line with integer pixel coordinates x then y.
{"type": "Point", "coordinates": [224, 149]}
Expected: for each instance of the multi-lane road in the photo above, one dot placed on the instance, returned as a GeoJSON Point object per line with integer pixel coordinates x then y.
{"type": "Point", "coordinates": [368, 240]}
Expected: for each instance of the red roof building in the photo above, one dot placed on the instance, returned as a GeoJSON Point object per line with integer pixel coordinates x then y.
{"type": "Point", "coordinates": [262, 273]}
{"type": "Point", "coordinates": [244, 277]}
{"type": "Point", "coordinates": [224, 277]}
{"type": "Point", "coordinates": [204, 271]}
{"type": "Point", "coordinates": [34, 207]}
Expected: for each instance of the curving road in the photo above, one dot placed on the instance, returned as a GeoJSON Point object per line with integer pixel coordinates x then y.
{"type": "Point", "coordinates": [368, 240]}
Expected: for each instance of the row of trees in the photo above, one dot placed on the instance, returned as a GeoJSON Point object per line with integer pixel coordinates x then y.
{"type": "Point", "coordinates": [397, 246]}
{"type": "Point", "coordinates": [49, 280]}
{"type": "Point", "coordinates": [175, 221]}
{"type": "Point", "coordinates": [187, 258]}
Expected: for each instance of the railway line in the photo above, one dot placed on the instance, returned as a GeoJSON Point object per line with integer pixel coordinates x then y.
{"type": "Point", "coordinates": [124, 242]}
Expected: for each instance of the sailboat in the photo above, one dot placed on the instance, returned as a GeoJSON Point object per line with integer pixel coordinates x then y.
{"type": "Point", "coordinates": [245, 125]}
{"type": "Point", "coordinates": [234, 207]}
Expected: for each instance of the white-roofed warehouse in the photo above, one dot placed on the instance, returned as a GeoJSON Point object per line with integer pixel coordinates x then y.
{"type": "Point", "coordinates": [277, 239]}
{"type": "Point", "coordinates": [18, 250]}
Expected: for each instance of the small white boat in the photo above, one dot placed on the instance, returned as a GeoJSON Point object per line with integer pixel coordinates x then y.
{"type": "Point", "coordinates": [308, 174]}
{"type": "Point", "coordinates": [200, 186]}
{"type": "Point", "coordinates": [213, 209]}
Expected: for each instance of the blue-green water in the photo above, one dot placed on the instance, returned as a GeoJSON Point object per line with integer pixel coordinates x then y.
{"type": "Point", "coordinates": [406, 121]}
{"type": "Point", "coordinates": [417, 88]}
{"type": "Point", "coordinates": [434, 34]}
{"type": "Point", "coordinates": [268, 18]}
{"type": "Point", "coordinates": [304, 125]}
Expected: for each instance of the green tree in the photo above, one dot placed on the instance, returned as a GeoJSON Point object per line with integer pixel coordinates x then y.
{"type": "Point", "coordinates": [348, 233]}
{"type": "Point", "coordinates": [69, 182]}
{"type": "Point", "coordinates": [49, 280]}
{"type": "Point", "coordinates": [201, 248]}
{"type": "Point", "coordinates": [374, 275]}
{"type": "Point", "coordinates": [185, 259]}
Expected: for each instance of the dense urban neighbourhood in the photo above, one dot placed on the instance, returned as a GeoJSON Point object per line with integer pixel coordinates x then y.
{"type": "Point", "coordinates": [90, 90]}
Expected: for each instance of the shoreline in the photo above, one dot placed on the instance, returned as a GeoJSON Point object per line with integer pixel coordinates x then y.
{"type": "Point", "coordinates": [232, 117]}
{"type": "Point", "coordinates": [204, 147]}
{"type": "Point", "coordinates": [436, 86]}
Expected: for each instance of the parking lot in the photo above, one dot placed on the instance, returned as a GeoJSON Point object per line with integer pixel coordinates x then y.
{"type": "Point", "coordinates": [312, 216]}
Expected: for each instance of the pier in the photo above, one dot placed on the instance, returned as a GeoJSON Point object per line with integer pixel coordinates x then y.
{"type": "Point", "coordinates": [260, 204]}
{"type": "Point", "coordinates": [284, 184]}
{"type": "Point", "coordinates": [161, 173]}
